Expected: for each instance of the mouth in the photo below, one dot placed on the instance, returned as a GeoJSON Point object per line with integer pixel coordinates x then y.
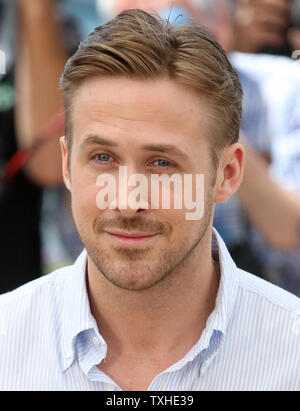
{"type": "Point", "coordinates": [131, 239]}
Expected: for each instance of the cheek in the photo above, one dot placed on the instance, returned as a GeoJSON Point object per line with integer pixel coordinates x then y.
{"type": "Point", "coordinates": [84, 193]}
{"type": "Point", "coordinates": [184, 233]}
{"type": "Point", "coordinates": [181, 228]}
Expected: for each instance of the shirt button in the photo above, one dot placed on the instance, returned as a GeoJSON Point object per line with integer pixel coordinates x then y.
{"type": "Point", "coordinates": [96, 341]}
{"type": "Point", "coordinates": [69, 355]}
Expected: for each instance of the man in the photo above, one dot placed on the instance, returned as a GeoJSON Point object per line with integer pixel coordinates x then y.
{"type": "Point", "coordinates": [155, 301]}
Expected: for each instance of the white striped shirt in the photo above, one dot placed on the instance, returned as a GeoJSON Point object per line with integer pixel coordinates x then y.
{"type": "Point", "coordinates": [49, 339]}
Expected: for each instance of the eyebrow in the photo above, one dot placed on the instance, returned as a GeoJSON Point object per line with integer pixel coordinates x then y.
{"type": "Point", "coordinates": [161, 148]}
{"type": "Point", "coordinates": [94, 139]}
{"type": "Point", "coordinates": [165, 148]}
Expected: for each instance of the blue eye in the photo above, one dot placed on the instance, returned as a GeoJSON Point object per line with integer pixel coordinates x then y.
{"type": "Point", "coordinates": [103, 157]}
{"type": "Point", "coordinates": [163, 163]}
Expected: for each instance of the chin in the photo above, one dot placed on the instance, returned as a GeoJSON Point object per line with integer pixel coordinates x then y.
{"type": "Point", "coordinates": [135, 276]}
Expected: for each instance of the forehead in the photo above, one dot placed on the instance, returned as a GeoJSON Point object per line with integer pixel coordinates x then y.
{"type": "Point", "coordinates": [145, 111]}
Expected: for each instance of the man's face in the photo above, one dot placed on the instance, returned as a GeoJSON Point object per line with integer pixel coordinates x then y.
{"type": "Point", "coordinates": [151, 127]}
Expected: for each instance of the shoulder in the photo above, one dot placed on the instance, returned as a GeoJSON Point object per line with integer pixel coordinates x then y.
{"type": "Point", "coordinates": [40, 298]}
{"type": "Point", "coordinates": [270, 314]}
{"type": "Point", "coordinates": [267, 292]}
{"type": "Point", "coordinates": [261, 59]}
{"type": "Point", "coordinates": [266, 323]}
{"type": "Point", "coordinates": [265, 65]}
{"type": "Point", "coordinates": [262, 341]}
{"type": "Point", "coordinates": [30, 331]}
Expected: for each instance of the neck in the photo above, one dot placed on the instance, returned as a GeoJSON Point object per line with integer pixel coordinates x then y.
{"type": "Point", "coordinates": [172, 312]}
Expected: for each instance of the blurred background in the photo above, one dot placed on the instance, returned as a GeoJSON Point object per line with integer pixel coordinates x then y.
{"type": "Point", "coordinates": [260, 224]}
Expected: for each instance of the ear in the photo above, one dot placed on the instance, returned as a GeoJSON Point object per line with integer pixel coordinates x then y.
{"type": "Point", "coordinates": [230, 172]}
{"type": "Point", "coordinates": [65, 163]}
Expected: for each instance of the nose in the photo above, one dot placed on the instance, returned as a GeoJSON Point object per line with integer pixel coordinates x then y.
{"type": "Point", "coordinates": [129, 212]}
{"type": "Point", "coordinates": [132, 192]}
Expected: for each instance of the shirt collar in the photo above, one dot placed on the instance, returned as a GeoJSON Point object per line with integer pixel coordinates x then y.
{"type": "Point", "coordinates": [228, 286]}
{"type": "Point", "coordinates": [76, 312]}
{"type": "Point", "coordinates": [217, 323]}
{"type": "Point", "coordinates": [77, 316]}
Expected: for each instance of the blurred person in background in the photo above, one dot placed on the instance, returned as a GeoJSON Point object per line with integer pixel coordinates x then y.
{"type": "Point", "coordinates": [37, 41]}
{"type": "Point", "coordinates": [262, 223]}
{"type": "Point", "coordinates": [84, 13]}
{"type": "Point", "coordinates": [279, 80]}
{"type": "Point", "coordinates": [60, 241]}
{"type": "Point", "coordinates": [267, 26]}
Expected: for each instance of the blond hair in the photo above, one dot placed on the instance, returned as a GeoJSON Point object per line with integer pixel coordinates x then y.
{"type": "Point", "coordinates": [140, 45]}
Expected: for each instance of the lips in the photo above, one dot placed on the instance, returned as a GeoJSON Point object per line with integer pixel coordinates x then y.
{"type": "Point", "coordinates": [131, 238]}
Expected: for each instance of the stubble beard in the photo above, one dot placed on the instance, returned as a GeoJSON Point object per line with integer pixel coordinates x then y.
{"type": "Point", "coordinates": [136, 269]}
